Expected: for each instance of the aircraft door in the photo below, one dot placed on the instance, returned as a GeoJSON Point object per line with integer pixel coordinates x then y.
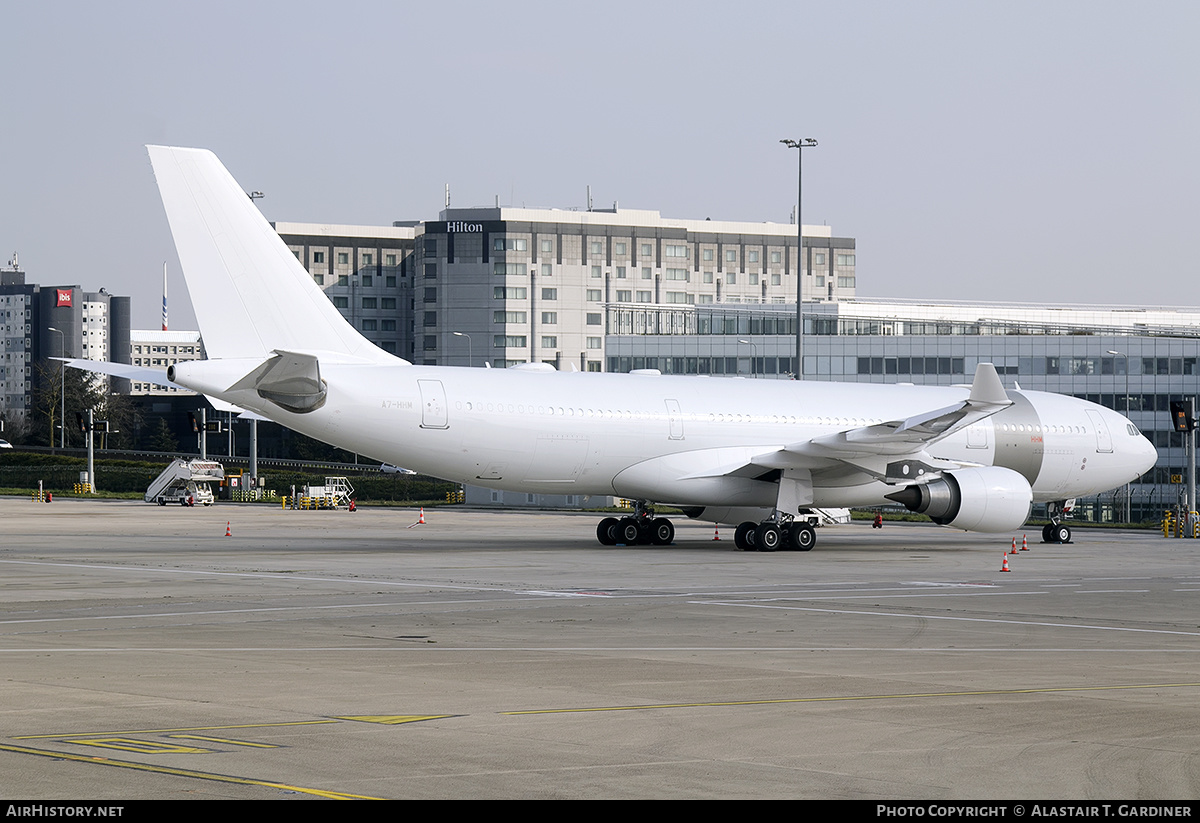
{"type": "Point", "coordinates": [675, 419]}
{"type": "Point", "coordinates": [434, 414]}
{"type": "Point", "coordinates": [1103, 438]}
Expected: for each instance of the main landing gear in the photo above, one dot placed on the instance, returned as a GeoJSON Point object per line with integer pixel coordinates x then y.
{"type": "Point", "coordinates": [770, 535]}
{"type": "Point", "coordinates": [640, 527]}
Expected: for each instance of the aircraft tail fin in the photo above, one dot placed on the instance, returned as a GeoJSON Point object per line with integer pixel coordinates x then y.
{"type": "Point", "coordinates": [250, 293]}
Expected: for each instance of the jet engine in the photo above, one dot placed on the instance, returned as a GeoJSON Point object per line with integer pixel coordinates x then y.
{"type": "Point", "coordinates": [985, 499]}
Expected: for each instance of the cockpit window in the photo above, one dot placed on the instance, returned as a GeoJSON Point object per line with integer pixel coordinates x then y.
{"type": "Point", "coordinates": [1133, 430]}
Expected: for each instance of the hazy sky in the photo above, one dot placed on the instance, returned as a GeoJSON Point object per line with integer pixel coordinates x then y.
{"type": "Point", "coordinates": [1028, 151]}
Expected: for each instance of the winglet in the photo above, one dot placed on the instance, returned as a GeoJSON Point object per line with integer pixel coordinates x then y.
{"type": "Point", "coordinates": [987, 388]}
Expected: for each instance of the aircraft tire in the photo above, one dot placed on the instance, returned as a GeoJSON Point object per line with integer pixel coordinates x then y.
{"type": "Point", "coordinates": [801, 537]}
{"type": "Point", "coordinates": [662, 532]}
{"type": "Point", "coordinates": [767, 537]}
{"type": "Point", "coordinates": [605, 531]}
{"type": "Point", "coordinates": [1062, 534]}
{"type": "Point", "coordinates": [1048, 533]}
{"type": "Point", "coordinates": [743, 536]}
{"type": "Point", "coordinates": [628, 532]}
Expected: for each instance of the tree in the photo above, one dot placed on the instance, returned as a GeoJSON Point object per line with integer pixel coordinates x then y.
{"type": "Point", "coordinates": [83, 391]}
{"type": "Point", "coordinates": [162, 440]}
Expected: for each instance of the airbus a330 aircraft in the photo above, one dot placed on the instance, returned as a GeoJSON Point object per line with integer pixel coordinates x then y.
{"type": "Point", "coordinates": [759, 453]}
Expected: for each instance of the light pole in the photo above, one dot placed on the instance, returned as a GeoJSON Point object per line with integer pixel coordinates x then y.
{"type": "Point", "coordinates": [62, 390]}
{"type": "Point", "coordinates": [799, 146]}
{"type": "Point", "coordinates": [470, 352]}
{"type": "Point", "coordinates": [753, 356]}
{"type": "Point", "coordinates": [1128, 487]}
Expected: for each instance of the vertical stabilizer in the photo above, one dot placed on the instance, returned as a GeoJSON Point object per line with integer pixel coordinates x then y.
{"type": "Point", "coordinates": [250, 293]}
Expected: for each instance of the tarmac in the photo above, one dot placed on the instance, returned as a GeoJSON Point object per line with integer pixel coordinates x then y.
{"type": "Point", "coordinates": [488, 654]}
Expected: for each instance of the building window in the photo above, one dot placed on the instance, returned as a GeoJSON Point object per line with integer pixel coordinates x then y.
{"type": "Point", "coordinates": [515, 269]}
{"type": "Point", "coordinates": [368, 302]}
{"type": "Point", "coordinates": [549, 294]}
{"type": "Point", "coordinates": [647, 250]}
{"type": "Point", "coordinates": [731, 255]}
{"type": "Point", "coordinates": [343, 280]}
{"type": "Point", "coordinates": [549, 342]}
{"type": "Point", "coordinates": [776, 280]}
{"type": "Point", "coordinates": [430, 342]}
{"type": "Point", "coordinates": [503, 317]}
{"type": "Point", "coordinates": [594, 295]}
{"type": "Point", "coordinates": [319, 279]}
{"type": "Point", "coordinates": [367, 280]}
{"type": "Point", "coordinates": [343, 258]}
{"type": "Point", "coordinates": [776, 257]}
{"type": "Point", "coordinates": [819, 259]}
{"type": "Point", "coordinates": [501, 341]}
{"type": "Point", "coordinates": [624, 296]}
{"type": "Point", "coordinates": [430, 318]}
{"type": "Point", "coordinates": [369, 325]}
{"type": "Point", "coordinates": [510, 293]}
{"type": "Point", "coordinates": [430, 271]}
{"type": "Point", "coordinates": [595, 319]}
{"type": "Point", "coordinates": [596, 272]}
{"type": "Point", "coordinates": [619, 248]}
{"type": "Point", "coordinates": [731, 278]}
{"type": "Point", "coordinates": [390, 281]}
{"type": "Point", "coordinates": [549, 318]}
{"type": "Point", "coordinates": [390, 260]}
{"type": "Point", "coordinates": [597, 248]}
{"type": "Point", "coordinates": [368, 259]}
{"type": "Point", "coordinates": [647, 274]}
{"type": "Point", "coordinates": [431, 295]}
{"type": "Point", "coordinates": [595, 342]}
{"type": "Point", "coordinates": [547, 246]}
{"type": "Point", "coordinates": [645, 296]}
{"type": "Point", "coordinates": [387, 325]}
{"type": "Point", "coordinates": [547, 270]}
{"type": "Point", "coordinates": [708, 255]}
{"type": "Point", "coordinates": [677, 274]}
{"type": "Point", "coordinates": [845, 259]}
{"type": "Point", "coordinates": [675, 251]}
{"type": "Point", "coordinates": [318, 257]}
{"type": "Point", "coordinates": [753, 256]}
{"type": "Point", "coordinates": [620, 272]}
{"type": "Point", "coordinates": [341, 302]}
{"type": "Point", "coordinates": [389, 303]}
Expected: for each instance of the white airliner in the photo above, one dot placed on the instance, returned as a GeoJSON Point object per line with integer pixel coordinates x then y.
{"type": "Point", "coordinates": [759, 453]}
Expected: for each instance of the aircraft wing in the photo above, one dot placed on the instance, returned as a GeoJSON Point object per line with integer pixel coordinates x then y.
{"type": "Point", "coordinates": [896, 451]}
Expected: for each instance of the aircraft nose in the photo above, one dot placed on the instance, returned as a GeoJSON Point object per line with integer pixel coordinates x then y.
{"type": "Point", "coordinates": [1146, 455]}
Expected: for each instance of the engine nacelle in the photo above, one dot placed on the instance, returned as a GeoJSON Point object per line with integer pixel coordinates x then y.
{"type": "Point", "coordinates": [985, 499]}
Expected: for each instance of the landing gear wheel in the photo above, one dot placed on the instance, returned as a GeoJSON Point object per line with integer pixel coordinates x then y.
{"type": "Point", "coordinates": [767, 537]}
{"type": "Point", "coordinates": [1048, 533]}
{"type": "Point", "coordinates": [627, 531]}
{"type": "Point", "coordinates": [801, 537]}
{"type": "Point", "coordinates": [604, 531]}
{"type": "Point", "coordinates": [743, 537]}
{"type": "Point", "coordinates": [662, 532]}
{"type": "Point", "coordinates": [1062, 534]}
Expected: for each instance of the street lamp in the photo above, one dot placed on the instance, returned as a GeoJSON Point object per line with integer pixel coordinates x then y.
{"type": "Point", "coordinates": [753, 356]}
{"type": "Point", "coordinates": [470, 352]}
{"type": "Point", "coordinates": [62, 390]}
{"type": "Point", "coordinates": [799, 146]}
{"type": "Point", "coordinates": [1128, 487]}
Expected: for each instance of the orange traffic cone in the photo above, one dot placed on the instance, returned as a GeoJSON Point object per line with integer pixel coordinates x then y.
{"type": "Point", "coordinates": [716, 532]}
{"type": "Point", "coordinates": [421, 519]}
{"type": "Point", "coordinates": [1005, 568]}
{"type": "Point", "coordinates": [1024, 544]}
{"type": "Point", "coordinates": [1014, 546]}
{"type": "Point", "coordinates": [228, 533]}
